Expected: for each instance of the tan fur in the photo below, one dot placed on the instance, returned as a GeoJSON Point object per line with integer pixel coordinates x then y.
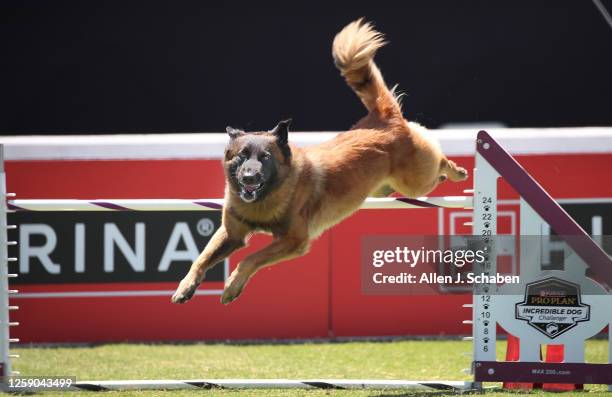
{"type": "Point", "coordinates": [321, 185]}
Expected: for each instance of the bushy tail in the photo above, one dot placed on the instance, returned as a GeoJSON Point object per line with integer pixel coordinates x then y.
{"type": "Point", "coordinates": [353, 50]}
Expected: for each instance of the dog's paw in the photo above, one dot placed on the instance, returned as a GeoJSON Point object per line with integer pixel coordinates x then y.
{"type": "Point", "coordinates": [462, 172]}
{"type": "Point", "coordinates": [184, 292]}
{"type": "Point", "coordinates": [233, 288]}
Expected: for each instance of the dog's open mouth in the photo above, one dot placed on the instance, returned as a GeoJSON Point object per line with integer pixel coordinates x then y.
{"type": "Point", "coordinates": [250, 193]}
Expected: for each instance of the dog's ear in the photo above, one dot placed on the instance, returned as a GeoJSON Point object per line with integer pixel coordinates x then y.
{"type": "Point", "coordinates": [233, 132]}
{"type": "Point", "coordinates": [282, 132]}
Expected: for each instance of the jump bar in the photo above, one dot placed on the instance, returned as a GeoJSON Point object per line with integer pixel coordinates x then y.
{"type": "Point", "coordinates": [51, 205]}
{"type": "Point", "coordinates": [272, 384]}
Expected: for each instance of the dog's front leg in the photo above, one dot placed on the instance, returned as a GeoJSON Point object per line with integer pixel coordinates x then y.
{"type": "Point", "coordinates": [220, 246]}
{"type": "Point", "coordinates": [282, 248]}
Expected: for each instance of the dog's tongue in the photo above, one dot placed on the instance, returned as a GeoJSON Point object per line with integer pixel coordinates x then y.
{"type": "Point", "coordinates": [250, 189]}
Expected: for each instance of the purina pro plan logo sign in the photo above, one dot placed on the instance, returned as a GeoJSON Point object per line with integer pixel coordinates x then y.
{"type": "Point", "coordinates": [552, 306]}
{"type": "Point", "coordinates": [110, 247]}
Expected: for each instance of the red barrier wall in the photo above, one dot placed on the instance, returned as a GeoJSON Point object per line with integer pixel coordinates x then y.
{"type": "Point", "coordinates": [318, 295]}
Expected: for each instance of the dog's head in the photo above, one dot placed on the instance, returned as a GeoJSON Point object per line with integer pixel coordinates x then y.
{"type": "Point", "coordinates": [254, 161]}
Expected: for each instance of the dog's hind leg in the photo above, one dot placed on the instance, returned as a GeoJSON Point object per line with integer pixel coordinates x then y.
{"type": "Point", "coordinates": [449, 169]}
{"type": "Point", "coordinates": [383, 191]}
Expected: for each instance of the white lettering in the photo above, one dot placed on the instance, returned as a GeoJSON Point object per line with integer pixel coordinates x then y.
{"type": "Point", "coordinates": [79, 248]}
{"type": "Point", "coordinates": [26, 251]}
{"type": "Point", "coordinates": [171, 253]}
{"type": "Point", "coordinates": [135, 257]}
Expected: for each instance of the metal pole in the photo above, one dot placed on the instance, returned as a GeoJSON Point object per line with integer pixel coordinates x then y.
{"type": "Point", "coordinates": [5, 364]}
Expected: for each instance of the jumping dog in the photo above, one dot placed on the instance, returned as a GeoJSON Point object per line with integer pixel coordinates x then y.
{"type": "Point", "coordinates": [296, 193]}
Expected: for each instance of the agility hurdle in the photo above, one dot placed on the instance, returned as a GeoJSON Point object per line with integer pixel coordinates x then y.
{"type": "Point", "coordinates": [488, 308]}
{"type": "Point", "coordinates": [217, 204]}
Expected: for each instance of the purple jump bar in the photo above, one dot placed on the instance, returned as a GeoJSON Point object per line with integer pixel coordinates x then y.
{"type": "Point", "coordinates": [209, 204]}
{"type": "Point", "coordinates": [110, 206]}
{"type": "Point", "coordinates": [508, 371]}
{"type": "Point", "coordinates": [416, 202]}
{"type": "Point", "coordinates": [550, 211]}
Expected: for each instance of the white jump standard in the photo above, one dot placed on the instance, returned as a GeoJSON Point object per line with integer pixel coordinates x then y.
{"type": "Point", "coordinates": [491, 306]}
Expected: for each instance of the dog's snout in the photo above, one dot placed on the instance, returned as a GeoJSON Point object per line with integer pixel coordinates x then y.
{"type": "Point", "coordinates": [251, 173]}
{"type": "Point", "coordinates": [251, 178]}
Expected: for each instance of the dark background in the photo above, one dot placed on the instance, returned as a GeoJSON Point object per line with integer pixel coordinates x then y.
{"type": "Point", "coordinates": [161, 66]}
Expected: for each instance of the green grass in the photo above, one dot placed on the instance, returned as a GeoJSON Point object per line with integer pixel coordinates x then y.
{"type": "Point", "coordinates": [414, 360]}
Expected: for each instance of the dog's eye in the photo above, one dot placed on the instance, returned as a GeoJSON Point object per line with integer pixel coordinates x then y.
{"type": "Point", "coordinates": [266, 157]}
{"type": "Point", "coordinates": [244, 154]}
